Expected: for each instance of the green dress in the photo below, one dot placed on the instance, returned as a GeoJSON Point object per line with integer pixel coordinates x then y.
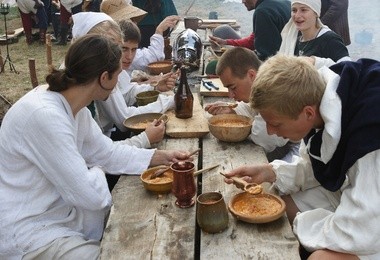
{"type": "Point", "coordinates": [156, 10]}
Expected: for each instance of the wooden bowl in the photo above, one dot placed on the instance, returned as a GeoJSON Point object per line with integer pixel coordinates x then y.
{"type": "Point", "coordinates": [230, 127]}
{"type": "Point", "coordinates": [146, 97]}
{"type": "Point", "coordinates": [245, 207]}
{"type": "Point", "coordinates": [161, 184]}
{"type": "Point", "coordinates": [155, 68]}
{"type": "Point", "coordinates": [138, 123]}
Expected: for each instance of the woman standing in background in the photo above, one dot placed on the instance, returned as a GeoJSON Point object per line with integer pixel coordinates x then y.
{"type": "Point", "coordinates": [306, 35]}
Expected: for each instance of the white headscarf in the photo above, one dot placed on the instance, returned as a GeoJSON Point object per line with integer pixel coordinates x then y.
{"type": "Point", "coordinates": [289, 33]}
{"type": "Point", "coordinates": [85, 21]}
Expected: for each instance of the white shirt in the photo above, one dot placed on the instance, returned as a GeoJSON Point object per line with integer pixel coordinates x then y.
{"type": "Point", "coordinates": [27, 6]}
{"type": "Point", "coordinates": [259, 134]}
{"type": "Point", "coordinates": [353, 227]}
{"type": "Point", "coordinates": [144, 56]}
{"type": "Point", "coordinates": [51, 184]}
{"type": "Point", "coordinates": [68, 4]}
{"type": "Point", "coordinates": [119, 106]}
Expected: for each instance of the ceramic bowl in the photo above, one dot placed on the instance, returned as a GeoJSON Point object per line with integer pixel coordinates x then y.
{"type": "Point", "coordinates": [155, 68]}
{"type": "Point", "coordinates": [230, 127]}
{"type": "Point", "coordinates": [138, 123]}
{"type": "Point", "coordinates": [146, 97]}
{"type": "Point", "coordinates": [260, 208]}
{"type": "Point", "coordinates": [161, 184]}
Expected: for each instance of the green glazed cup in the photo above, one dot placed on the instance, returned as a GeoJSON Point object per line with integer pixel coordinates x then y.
{"type": "Point", "coordinates": [212, 214]}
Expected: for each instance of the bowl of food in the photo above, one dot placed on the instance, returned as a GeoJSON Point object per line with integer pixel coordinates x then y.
{"type": "Point", "coordinates": [161, 184]}
{"type": "Point", "coordinates": [138, 123]}
{"type": "Point", "coordinates": [230, 127]}
{"type": "Point", "coordinates": [158, 67]}
{"type": "Point", "coordinates": [146, 97]}
{"type": "Point", "coordinates": [259, 208]}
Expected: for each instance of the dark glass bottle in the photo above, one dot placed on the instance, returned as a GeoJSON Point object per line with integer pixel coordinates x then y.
{"type": "Point", "coordinates": [183, 98]}
{"type": "Point", "coordinates": [167, 49]}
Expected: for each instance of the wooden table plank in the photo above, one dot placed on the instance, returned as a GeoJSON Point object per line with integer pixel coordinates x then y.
{"type": "Point", "coordinates": [242, 240]}
{"type": "Point", "coordinates": [194, 127]}
{"type": "Point", "coordinates": [143, 225]}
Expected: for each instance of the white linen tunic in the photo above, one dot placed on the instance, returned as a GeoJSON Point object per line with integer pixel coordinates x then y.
{"type": "Point", "coordinates": [119, 106]}
{"type": "Point", "coordinates": [27, 6]}
{"type": "Point", "coordinates": [69, 4]}
{"type": "Point", "coordinates": [144, 56]}
{"type": "Point", "coordinates": [52, 182]}
{"type": "Point", "coordinates": [353, 227]}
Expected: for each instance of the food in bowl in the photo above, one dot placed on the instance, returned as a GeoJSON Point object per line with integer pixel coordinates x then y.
{"type": "Point", "coordinates": [231, 123]}
{"type": "Point", "coordinates": [158, 67]}
{"type": "Point", "coordinates": [260, 208]}
{"type": "Point", "coordinates": [142, 125]}
{"type": "Point", "coordinates": [230, 127]}
{"type": "Point", "coordinates": [257, 206]}
{"type": "Point", "coordinates": [161, 184]}
{"type": "Point", "coordinates": [138, 123]}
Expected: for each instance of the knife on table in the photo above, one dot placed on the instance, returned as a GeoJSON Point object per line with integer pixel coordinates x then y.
{"type": "Point", "coordinates": [211, 84]}
{"type": "Point", "coordinates": [206, 85]}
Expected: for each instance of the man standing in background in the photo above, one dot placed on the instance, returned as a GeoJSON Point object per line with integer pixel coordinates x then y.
{"type": "Point", "coordinates": [334, 14]}
{"type": "Point", "coordinates": [269, 18]}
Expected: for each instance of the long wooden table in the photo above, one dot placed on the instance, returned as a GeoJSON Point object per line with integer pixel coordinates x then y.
{"type": "Point", "coordinates": [143, 225]}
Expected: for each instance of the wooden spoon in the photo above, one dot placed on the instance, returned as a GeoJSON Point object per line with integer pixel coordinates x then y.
{"type": "Point", "coordinates": [252, 188]}
{"type": "Point", "coordinates": [160, 118]}
{"type": "Point", "coordinates": [161, 171]}
{"type": "Point", "coordinates": [196, 173]}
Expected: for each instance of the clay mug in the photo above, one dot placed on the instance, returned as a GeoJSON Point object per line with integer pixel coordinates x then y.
{"type": "Point", "coordinates": [183, 186]}
{"type": "Point", "coordinates": [212, 214]}
{"type": "Point", "coordinates": [192, 23]}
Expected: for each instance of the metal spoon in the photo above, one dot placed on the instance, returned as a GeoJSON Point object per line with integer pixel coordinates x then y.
{"type": "Point", "coordinates": [252, 188]}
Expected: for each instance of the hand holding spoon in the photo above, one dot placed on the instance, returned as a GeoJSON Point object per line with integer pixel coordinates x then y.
{"type": "Point", "coordinates": [252, 188]}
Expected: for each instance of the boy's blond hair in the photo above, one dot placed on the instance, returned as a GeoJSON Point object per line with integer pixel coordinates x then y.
{"type": "Point", "coordinates": [286, 84]}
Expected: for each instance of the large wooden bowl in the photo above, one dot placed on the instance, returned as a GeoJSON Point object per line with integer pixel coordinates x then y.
{"type": "Point", "coordinates": [244, 206]}
{"type": "Point", "coordinates": [155, 68]}
{"type": "Point", "coordinates": [161, 184]}
{"type": "Point", "coordinates": [230, 127]}
{"type": "Point", "coordinates": [138, 123]}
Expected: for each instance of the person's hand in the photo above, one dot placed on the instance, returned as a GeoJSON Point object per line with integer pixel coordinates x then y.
{"type": "Point", "coordinates": [167, 157]}
{"type": "Point", "coordinates": [167, 81]}
{"type": "Point", "coordinates": [217, 41]}
{"type": "Point", "coordinates": [254, 173]}
{"type": "Point", "coordinates": [155, 131]}
{"type": "Point", "coordinates": [168, 22]}
{"type": "Point", "coordinates": [215, 109]}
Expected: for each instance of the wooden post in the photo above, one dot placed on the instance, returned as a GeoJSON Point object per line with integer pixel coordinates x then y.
{"type": "Point", "coordinates": [32, 72]}
{"type": "Point", "coordinates": [49, 58]}
{"type": "Point", "coordinates": [1, 62]}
